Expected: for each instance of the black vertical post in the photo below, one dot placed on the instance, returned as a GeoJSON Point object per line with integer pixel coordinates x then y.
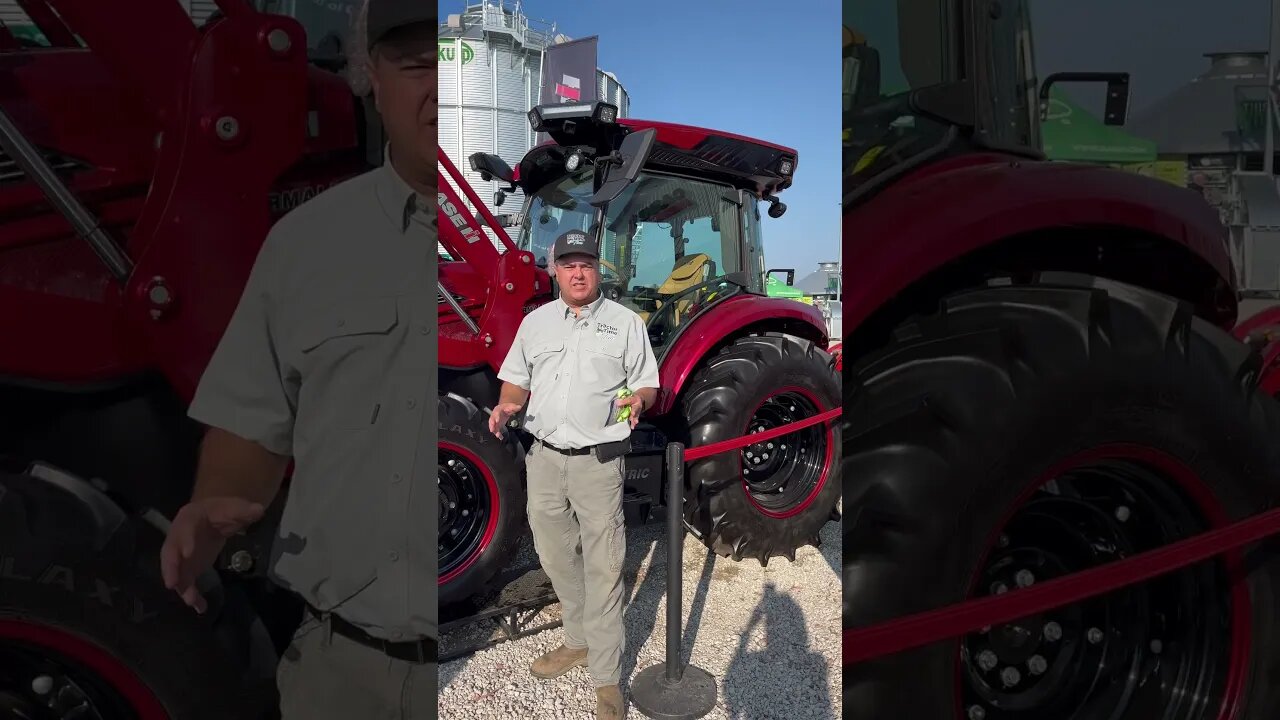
{"type": "Point", "coordinates": [672, 690]}
{"type": "Point", "coordinates": [675, 558]}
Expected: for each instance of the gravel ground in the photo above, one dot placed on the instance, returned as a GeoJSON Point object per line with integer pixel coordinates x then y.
{"type": "Point", "coordinates": [769, 637]}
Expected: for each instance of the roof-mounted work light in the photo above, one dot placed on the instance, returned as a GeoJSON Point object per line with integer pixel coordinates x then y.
{"type": "Point", "coordinates": [545, 118]}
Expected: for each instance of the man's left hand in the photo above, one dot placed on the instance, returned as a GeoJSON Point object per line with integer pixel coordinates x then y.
{"type": "Point", "coordinates": [636, 403]}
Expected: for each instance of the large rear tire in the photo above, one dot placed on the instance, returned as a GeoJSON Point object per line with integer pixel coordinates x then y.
{"type": "Point", "coordinates": [482, 500]}
{"type": "Point", "coordinates": [1026, 432]}
{"type": "Point", "coordinates": [769, 499]}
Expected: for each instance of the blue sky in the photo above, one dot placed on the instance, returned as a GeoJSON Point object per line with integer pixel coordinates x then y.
{"type": "Point", "coordinates": [742, 67]}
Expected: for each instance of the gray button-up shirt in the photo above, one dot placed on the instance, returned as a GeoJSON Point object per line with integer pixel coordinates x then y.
{"type": "Point", "coordinates": [574, 366]}
{"type": "Point", "coordinates": [331, 358]}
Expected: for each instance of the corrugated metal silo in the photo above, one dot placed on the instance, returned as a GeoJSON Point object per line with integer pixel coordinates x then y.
{"type": "Point", "coordinates": [490, 76]}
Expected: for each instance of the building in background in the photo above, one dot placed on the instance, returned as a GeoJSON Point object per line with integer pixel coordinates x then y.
{"type": "Point", "coordinates": [1215, 127]}
{"type": "Point", "coordinates": [491, 60]}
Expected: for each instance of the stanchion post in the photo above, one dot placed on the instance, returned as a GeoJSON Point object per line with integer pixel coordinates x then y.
{"type": "Point", "coordinates": [675, 559]}
{"type": "Point", "coordinates": [671, 690]}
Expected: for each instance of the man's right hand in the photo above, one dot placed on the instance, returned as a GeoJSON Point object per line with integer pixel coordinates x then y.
{"type": "Point", "coordinates": [196, 536]}
{"type": "Point", "coordinates": [499, 417]}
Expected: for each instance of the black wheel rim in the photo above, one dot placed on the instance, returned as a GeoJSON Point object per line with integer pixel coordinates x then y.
{"type": "Point", "coordinates": [37, 683]}
{"type": "Point", "coordinates": [1160, 649]}
{"type": "Point", "coordinates": [466, 509]}
{"type": "Point", "coordinates": [781, 475]}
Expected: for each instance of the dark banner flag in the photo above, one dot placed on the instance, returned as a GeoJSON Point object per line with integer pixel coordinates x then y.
{"type": "Point", "coordinates": [569, 74]}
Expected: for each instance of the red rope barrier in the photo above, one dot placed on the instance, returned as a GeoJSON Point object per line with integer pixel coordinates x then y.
{"type": "Point", "coordinates": [925, 628]}
{"type": "Point", "coordinates": [691, 454]}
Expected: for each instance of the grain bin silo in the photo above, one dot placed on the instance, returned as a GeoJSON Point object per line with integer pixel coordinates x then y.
{"type": "Point", "coordinates": [491, 59]}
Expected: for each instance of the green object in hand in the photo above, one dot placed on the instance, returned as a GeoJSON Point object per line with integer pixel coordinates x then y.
{"type": "Point", "coordinates": [625, 412]}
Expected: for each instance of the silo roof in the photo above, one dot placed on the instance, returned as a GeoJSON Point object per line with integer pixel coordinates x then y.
{"type": "Point", "coordinates": [1201, 117]}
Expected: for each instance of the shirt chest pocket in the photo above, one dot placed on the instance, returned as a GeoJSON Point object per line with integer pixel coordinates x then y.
{"type": "Point", "coordinates": [345, 355]}
{"type": "Point", "coordinates": [602, 367]}
{"type": "Point", "coordinates": [544, 363]}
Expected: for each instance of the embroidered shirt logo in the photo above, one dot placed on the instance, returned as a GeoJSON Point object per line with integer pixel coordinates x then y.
{"type": "Point", "coordinates": [606, 331]}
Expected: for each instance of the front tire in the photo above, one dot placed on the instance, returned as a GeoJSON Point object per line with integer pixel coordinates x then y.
{"type": "Point", "coordinates": [1027, 432]}
{"type": "Point", "coordinates": [482, 500]}
{"type": "Point", "coordinates": [772, 498]}
{"type": "Point", "coordinates": [96, 627]}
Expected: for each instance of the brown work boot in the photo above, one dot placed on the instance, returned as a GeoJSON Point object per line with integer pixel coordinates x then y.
{"type": "Point", "coordinates": [558, 662]}
{"type": "Point", "coordinates": [608, 703]}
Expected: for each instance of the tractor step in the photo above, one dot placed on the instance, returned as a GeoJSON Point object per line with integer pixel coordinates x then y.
{"type": "Point", "coordinates": [637, 508]}
{"type": "Point", "coordinates": [508, 613]}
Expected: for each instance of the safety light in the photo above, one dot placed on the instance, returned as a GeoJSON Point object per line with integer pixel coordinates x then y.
{"type": "Point", "coordinates": [573, 162]}
{"type": "Point", "coordinates": [786, 166]}
{"type": "Point", "coordinates": [542, 115]}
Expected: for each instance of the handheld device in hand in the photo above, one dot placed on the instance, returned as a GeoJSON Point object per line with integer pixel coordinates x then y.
{"type": "Point", "coordinates": [625, 413]}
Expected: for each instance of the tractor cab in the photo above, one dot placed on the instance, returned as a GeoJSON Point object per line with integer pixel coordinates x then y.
{"type": "Point", "coordinates": [928, 79]}
{"type": "Point", "coordinates": [675, 208]}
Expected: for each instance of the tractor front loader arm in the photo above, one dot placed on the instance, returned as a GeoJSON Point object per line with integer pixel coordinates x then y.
{"type": "Point", "coordinates": [509, 276]}
{"type": "Point", "coordinates": [228, 104]}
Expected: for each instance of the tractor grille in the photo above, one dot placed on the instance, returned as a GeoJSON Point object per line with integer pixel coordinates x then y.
{"type": "Point", "coordinates": [11, 173]}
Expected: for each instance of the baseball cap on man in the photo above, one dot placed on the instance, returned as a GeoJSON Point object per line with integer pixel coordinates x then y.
{"type": "Point", "coordinates": [574, 241]}
{"type": "Point", "coordinates": [388, 15]}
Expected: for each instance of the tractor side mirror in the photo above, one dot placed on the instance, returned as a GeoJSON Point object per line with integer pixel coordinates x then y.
{"type": "Point", "coordinates": [791, 274]}
{"type": "Point", "coordinates": [1117, 108]}
{"type": "Point", "coordinates": [631, 157]}
{"type": "Point", "coordinates": [492, 167]}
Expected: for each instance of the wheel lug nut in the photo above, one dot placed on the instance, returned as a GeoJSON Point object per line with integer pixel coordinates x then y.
{"type": "Point", "coordinates": [42, 684]}
{"type": "Point", "coordinates": [451, 463]}
{"type": "Point", "coordinates": [1024, 578]}
{"type": "Point", "coordinates": [1157, 647]}
{"type": "Point", "coordinates": [1037, 665]}
{"type": "Point", "coordinates": [976, 712]}
{"type": "Point", "coordinates": [1122, 513]}
{"type": "Point", "coordinates": [453, 505]}
{"type": "Point", "coordinates": [999, 588]}
{"type": "Point", "coordinates": [466, 513]}
{"type": "Point", "coordinates": [1003, 541]}
{"type": "Point", "coordinates": [1010, 676]}
{"type": "Point", "coordinates": [1053, 632]}
{"type": "Point", "coordinates": [987, 660]}
{"type": "Point", "coordinates": [1095, 636]}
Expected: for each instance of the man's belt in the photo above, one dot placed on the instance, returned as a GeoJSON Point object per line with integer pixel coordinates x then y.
{"type": "Point", "coordinates": [605, 452]}
{"type": "Point", "coordinates": [414, 651]}
{"type": "Point", "coordinates": [568, 451]}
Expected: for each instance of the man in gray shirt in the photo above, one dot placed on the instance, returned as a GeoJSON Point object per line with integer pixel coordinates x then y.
{"type": "Point", "coordinates": [330, 360]}
{"type": "Point", "coordinates": [569, 360]}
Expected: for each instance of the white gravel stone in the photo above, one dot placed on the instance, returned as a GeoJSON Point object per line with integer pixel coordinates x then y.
{"type": "Point", "coordinates": [770, 636]}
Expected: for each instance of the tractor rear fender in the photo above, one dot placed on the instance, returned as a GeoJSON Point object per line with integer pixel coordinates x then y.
{"type": "Point", "coordinates": [958, 222]}
{"type": "Point", "coordinates": [721, 324]}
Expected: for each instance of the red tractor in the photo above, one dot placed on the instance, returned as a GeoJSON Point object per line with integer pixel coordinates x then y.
{"type": "Point", "coordinates": [1040, 379]}
{"type": "Point", "coordinates": [146, 155]}
{"type": "Point", "coordinates": [676, 212]}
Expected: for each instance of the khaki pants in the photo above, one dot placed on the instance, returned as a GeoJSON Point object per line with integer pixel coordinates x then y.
{"type": "Point", "coordinates": [325, 676]}
{"type": "Point", "coordinates": [575, 513]}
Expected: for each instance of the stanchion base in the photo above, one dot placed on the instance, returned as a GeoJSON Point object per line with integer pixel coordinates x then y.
{"type": "Point", "coordinates": [692, 696]}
